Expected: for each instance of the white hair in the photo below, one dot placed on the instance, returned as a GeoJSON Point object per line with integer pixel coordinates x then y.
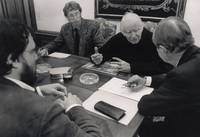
{"type": "Point", "coordinates": [130, 20]}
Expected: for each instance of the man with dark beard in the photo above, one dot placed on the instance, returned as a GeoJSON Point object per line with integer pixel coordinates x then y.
{"type": "Point", "coordinates": [22, 112]}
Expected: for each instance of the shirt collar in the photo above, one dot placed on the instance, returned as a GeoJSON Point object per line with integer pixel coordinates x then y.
{"type": "Point", "coordinates": [21, 84]}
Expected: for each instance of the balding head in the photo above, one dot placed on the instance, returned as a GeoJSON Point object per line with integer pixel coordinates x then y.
{"type": "Point", "coordinates": [130, 20]}
{"type": "Point", "coordinates": [131, 27]}
{"type": "Point", "coordinates": [173, 33]}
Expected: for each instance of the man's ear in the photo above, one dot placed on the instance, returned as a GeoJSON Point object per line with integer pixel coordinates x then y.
{"type": "Point", "coordinates": [9, 60]}
{"type": "Point", "coordinates": [15, 63]}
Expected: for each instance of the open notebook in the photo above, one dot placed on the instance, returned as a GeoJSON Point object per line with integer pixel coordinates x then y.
{"type": "Point", "coordinates": [114, 93]}
{"type": "Point", "coordinates": [116, 86]}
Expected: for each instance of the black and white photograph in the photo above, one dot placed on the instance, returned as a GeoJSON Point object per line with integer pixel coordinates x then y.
{"type": "Point", "coordinates": [99, 68]}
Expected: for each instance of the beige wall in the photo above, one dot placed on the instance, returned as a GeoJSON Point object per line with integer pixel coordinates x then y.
{"type": "Point", "coordinates": [49, 15]}
{"type": "Point", "coordinates": [192, 17]}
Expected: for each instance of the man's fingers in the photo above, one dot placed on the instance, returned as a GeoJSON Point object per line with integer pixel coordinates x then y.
{"type": "Point", "coordinates": [60, 87]}
{"type": "Point", "coordinates": [96, 50]}
{"type": "Point", "coordinates": [136, 87]}
{"type": "Point", "coordinates": [118, 59]}
{"type": "Point", "coordinates": [58, 93]}
{"type": "Point", "coordinates": [69, 94]}
{"type": "Point", "coordinates": [115, 63]}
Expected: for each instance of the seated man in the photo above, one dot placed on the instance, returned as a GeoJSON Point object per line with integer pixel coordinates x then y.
{"type": "Point", "coordinates": [22, 112]}
{"type": "Point", "coordinates": [79, 36]}
{"type": "Point", "coordinates": [133, 48]}
{"type": "Point", "coordinates": [173, 108]}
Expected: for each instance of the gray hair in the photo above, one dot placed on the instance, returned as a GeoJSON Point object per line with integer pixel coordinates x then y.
{"type": "Point", "coordinates": [72, 5]}
{"type": "Point", "coordinates": [130, 20]}
{"type": "Point", "coordinates": [173, 33]}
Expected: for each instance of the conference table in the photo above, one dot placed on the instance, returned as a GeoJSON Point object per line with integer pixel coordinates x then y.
{"type": "Point", "coordinates": [109, 127]}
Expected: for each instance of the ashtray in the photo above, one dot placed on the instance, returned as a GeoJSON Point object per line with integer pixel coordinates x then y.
{"type": "Point", "coordinates": [89, 78]}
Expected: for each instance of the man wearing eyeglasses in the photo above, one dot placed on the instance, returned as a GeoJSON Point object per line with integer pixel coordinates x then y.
{"type": "Point", "coordinates": [173, 108]}
{"type": "Point", "coordinates": [79, 36]}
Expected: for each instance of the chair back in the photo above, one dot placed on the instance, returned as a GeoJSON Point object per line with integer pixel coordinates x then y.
{"type": "Point", "coordinates": [107, 28]}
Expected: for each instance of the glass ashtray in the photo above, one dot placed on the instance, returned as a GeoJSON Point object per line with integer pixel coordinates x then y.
{"type": "Point", "coordinates": [89, 78]}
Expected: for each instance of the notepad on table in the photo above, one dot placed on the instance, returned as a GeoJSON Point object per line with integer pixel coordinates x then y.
{"type": "Point", "coordinates": [116, 86]}
{"type": "Point", "coordinates": [113, 92]}
{"type": "Point", "coordinates": [59, 55]}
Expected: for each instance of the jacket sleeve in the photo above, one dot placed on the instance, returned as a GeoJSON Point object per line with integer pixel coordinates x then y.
{"type": "Point", "coordinates": [167, 99]}
{"type": "Point", "coordinates": [150, 67]}
{"type": "Point", "coordinates": [56, 43]}
{"type": "Point", "coordinates": [76, 123]}
{"type": "Point", "coordinates": [157, 80]}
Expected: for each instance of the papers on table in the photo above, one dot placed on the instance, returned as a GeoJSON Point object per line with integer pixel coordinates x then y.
{"type": "Point", "coordinates": [59, 55]}
{"type": "Point", "coordinates": [115, 93]}
{"type": "Point", "coordinates": [104, 68]}
{"type": "Point", "coordinates": [116, 86]}
{"type": "Point", "coordinates": [130, 106]}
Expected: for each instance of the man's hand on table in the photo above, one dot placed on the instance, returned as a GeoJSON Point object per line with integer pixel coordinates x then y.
{"type": "Point", "coordinates": [53, 89]}
{"type": "Point", "coordinates": [122, 66]}
{"type": "Point", "coordinates": [69, 102]}
{"type": "Point", "coordinates": [136, 82]}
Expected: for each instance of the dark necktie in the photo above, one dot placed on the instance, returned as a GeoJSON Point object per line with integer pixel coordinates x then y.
{"type": "Point", "coordinates": [76, 41]}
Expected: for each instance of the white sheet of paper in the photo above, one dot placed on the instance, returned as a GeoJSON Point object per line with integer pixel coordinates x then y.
{"type": "Point", "coordinates": [130, 106]}
{"type": "Point", "coordinates": [59, 55]}
{"type": "Point", "coordinates": [116, 86]}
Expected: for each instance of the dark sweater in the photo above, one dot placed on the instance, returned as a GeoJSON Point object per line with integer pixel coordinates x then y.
{"type": "Point", "coordinates": [142, 57]}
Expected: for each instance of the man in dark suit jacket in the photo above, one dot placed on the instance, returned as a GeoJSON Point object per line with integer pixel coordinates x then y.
{"type": "Point", "coordinates": [173, 108]}
{"type": "Point", "coordinates": [79, 36]}
{"type": "Point", "coordinates": [22, 112]}
{"type": "Point", "coordinates": [132, 49]}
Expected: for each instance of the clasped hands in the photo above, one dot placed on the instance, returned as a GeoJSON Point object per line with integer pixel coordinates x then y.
{"type": "Point", "coordinates": [59, 90]}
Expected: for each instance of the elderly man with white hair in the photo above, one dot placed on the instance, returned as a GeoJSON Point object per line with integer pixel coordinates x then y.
{"type": "Point", "coordinates": [132, 49]}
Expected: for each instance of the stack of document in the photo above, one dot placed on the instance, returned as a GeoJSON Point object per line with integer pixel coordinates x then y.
{"type": "Point", "coordinates": [59, 55]}
{"type": "Point", "coordinates": [115, 93]}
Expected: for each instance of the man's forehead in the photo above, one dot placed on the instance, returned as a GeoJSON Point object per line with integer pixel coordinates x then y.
{"type": "Point", "coordinates": [132, 26]}
{"type": "Point", "coordinates": [73, 11]}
